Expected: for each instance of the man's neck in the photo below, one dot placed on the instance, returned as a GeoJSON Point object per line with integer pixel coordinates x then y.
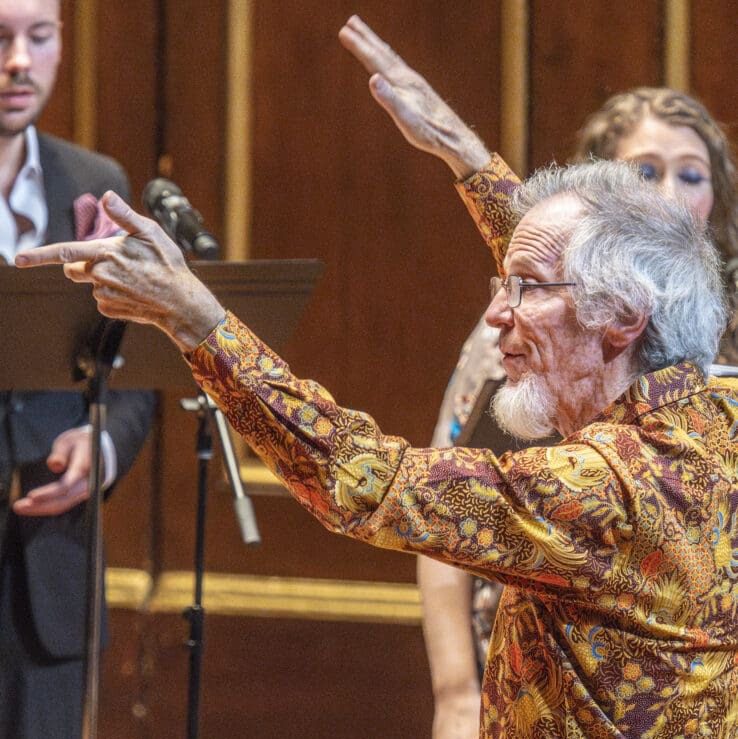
{"type": "Point", "coordinates": [594, 392]}
{"type": "Point", "coordinates": [12, 156]}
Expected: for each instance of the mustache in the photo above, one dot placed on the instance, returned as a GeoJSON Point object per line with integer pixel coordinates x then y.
{"type": "Point", "coordinates": [21, 78]}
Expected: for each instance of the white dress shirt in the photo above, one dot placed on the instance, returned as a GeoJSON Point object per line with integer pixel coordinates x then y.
{"type": "Point", "coordinates": [26, 199]}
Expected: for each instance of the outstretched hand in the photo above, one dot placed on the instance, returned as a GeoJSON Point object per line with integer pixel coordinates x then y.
{"type": "Point", "coordinates": [424, 119]}
{"type": "Point", "coordinates": [141, 277]}
{"type": "Point", "coordinates": [71, 458]}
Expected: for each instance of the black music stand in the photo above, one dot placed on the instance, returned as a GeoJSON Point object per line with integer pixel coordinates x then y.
{"type": "Point", "coordinates": [47, 315]}
{"type": "Point", "coordinates": [53, 318]}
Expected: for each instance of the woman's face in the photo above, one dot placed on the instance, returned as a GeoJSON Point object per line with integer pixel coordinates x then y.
{"type": "Point", "coordinates": [675, 159]}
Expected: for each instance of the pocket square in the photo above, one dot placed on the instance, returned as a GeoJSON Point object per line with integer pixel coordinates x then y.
{"type": "Point", "coordinates": [91, 221]}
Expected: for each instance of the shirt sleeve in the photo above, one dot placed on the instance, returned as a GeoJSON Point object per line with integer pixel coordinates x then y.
{"type": "Point", "coordinates": [545, 518]}
{"type": "Point", "coordinates": [486, 195]}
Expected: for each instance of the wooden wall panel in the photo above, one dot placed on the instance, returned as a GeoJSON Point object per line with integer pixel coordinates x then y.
{"type": "Point", "coordinates": [193, 101]}
{"type": "Point", "coordinates": [282, 678]}
{"type": "Point", "coordinates": [126, 672]}
{"type": "Point", "coordinates": [714, 62]}
{"type": "Point", "coordinates": [406, 274]}
{"type": "Point", "coordinates": [127, 105]}
{"type": "Point", "coordinates": [266, 678]}
{"type": "Point", "coordinates": [581, 53]}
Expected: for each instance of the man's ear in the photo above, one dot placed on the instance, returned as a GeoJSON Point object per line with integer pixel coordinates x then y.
{"type": "Point", "coordinates": [623, 333]}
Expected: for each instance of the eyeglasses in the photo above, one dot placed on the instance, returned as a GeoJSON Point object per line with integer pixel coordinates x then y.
{"type": "Point", "coordinates": [515, 285]}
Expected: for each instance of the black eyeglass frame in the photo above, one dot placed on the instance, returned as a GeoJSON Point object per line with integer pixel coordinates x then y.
{"type": "Point", "coordinates": [515, 285]}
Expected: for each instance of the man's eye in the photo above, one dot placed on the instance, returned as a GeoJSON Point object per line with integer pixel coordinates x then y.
{"type": "Point", "coordinates": [648, 171]}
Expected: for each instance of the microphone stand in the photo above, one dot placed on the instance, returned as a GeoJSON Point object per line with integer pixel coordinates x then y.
{"type": "Point", "coordinates": [207, 412]}
{"type": "Point", "coordinates": [95, 362]}
{"type": "Point", "coordinates": [184, 225]}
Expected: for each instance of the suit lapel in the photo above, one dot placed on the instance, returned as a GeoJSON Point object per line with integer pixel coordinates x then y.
{"type": "Point", "coordinates": [60, 190]}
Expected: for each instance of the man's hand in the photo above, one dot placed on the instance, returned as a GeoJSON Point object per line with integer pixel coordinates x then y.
{"type": "Point", "coordinates": [424, 119]}
{"type": "Point", "coordinates": [142, 277]}
{"type": "Point", "coordinates": [70, 455]}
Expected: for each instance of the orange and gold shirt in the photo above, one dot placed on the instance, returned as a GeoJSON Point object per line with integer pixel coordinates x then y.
{"type": "Point", "coordinates": [618, 547]}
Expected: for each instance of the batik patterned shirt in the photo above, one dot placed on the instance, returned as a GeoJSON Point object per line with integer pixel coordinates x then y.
{"type": "Point", "coordinates": [618, 547]}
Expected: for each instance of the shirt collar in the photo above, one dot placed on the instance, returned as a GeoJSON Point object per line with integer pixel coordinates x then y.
{"type": "Point", "coordinates": [33, 158]}
{"type": "Point", "coordinates": [27, 198]}
{"type": "Point", "coordinates": [653, 390]}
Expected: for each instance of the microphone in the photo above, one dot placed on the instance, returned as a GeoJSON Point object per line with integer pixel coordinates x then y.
{"type": "Point", "coordinates": [183, 224]}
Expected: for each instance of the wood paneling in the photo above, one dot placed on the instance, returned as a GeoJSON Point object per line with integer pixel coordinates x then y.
{"type": "Point", "coordinates": [714, 59]}
{"type": "Point", "coordinates": [265, 678]}
{"type": "Point", "coordinates": [193, 105]}
{"type": "Point", "coordinates": [387, 319]}
{"type": "Point", "coordinates": [126, 94]}
{"type": "Point", "coordinates": [581, 53]}
{"type": "Point", "coordinates": [125, 695]}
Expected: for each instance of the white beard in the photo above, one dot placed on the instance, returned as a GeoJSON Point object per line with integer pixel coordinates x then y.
{"type": "Point", "coordinates": [525, 409]}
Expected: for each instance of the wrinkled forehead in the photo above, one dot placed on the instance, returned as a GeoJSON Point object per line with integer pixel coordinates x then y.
{"type": "Point", "coordinates": [542, 234]}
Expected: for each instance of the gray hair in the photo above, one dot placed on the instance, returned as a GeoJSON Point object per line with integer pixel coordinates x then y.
{"type": "Point", "coordinates": [633, 252]}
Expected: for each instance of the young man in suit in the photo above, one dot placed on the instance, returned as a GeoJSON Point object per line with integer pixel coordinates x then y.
{"type": "Point", "coordinates": [44, 436]}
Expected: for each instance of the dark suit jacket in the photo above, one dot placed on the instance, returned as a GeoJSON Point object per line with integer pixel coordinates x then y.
{"type": "Point", "coordinates": [53, 548]}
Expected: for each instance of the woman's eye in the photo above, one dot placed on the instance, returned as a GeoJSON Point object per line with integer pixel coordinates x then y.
{"type": "Point", "coordinates": [691, 176]}
{"type": "Point", "coordinates": [648, 171]}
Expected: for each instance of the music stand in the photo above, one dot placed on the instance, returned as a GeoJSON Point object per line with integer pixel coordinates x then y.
{"type": "Point", "coordinates": [49, 316]}
{"type": "Point", "coordinates": [54, 318]}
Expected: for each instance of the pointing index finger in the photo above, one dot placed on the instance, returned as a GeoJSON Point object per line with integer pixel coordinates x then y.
{"type": "Point", "coordinates": [61, 253]}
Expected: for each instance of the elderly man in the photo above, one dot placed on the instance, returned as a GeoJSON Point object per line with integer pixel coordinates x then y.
{"type": "Point", "coordinates": [618, 546]}
{"type": "Point", "coordinates": [458, 610]}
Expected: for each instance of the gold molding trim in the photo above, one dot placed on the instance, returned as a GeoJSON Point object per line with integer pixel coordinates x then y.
{"type": "Point", "coordinates": [277, 597]}
{"type": "Point", "coordinates": [128, 588]}
{"type": "Point", "coordinates": [259, 479]}
{"type": "Point", "coordinates": [677, 32]}
{"type": "Point", "coordinates": [85, 73]}
{"type": "Point", "coordinates": [514, 84]}
{"type": "Point", "coordinates": [238, 129]}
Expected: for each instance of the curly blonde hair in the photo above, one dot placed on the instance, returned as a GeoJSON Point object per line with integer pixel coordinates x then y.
{"type": "Point", "coordinates": [620, 115]}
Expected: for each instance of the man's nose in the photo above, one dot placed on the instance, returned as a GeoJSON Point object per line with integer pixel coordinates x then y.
{"type": "Point", "coordinates": [499, 313]}
{"type": "Point", "coordinates": [17, 55]}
